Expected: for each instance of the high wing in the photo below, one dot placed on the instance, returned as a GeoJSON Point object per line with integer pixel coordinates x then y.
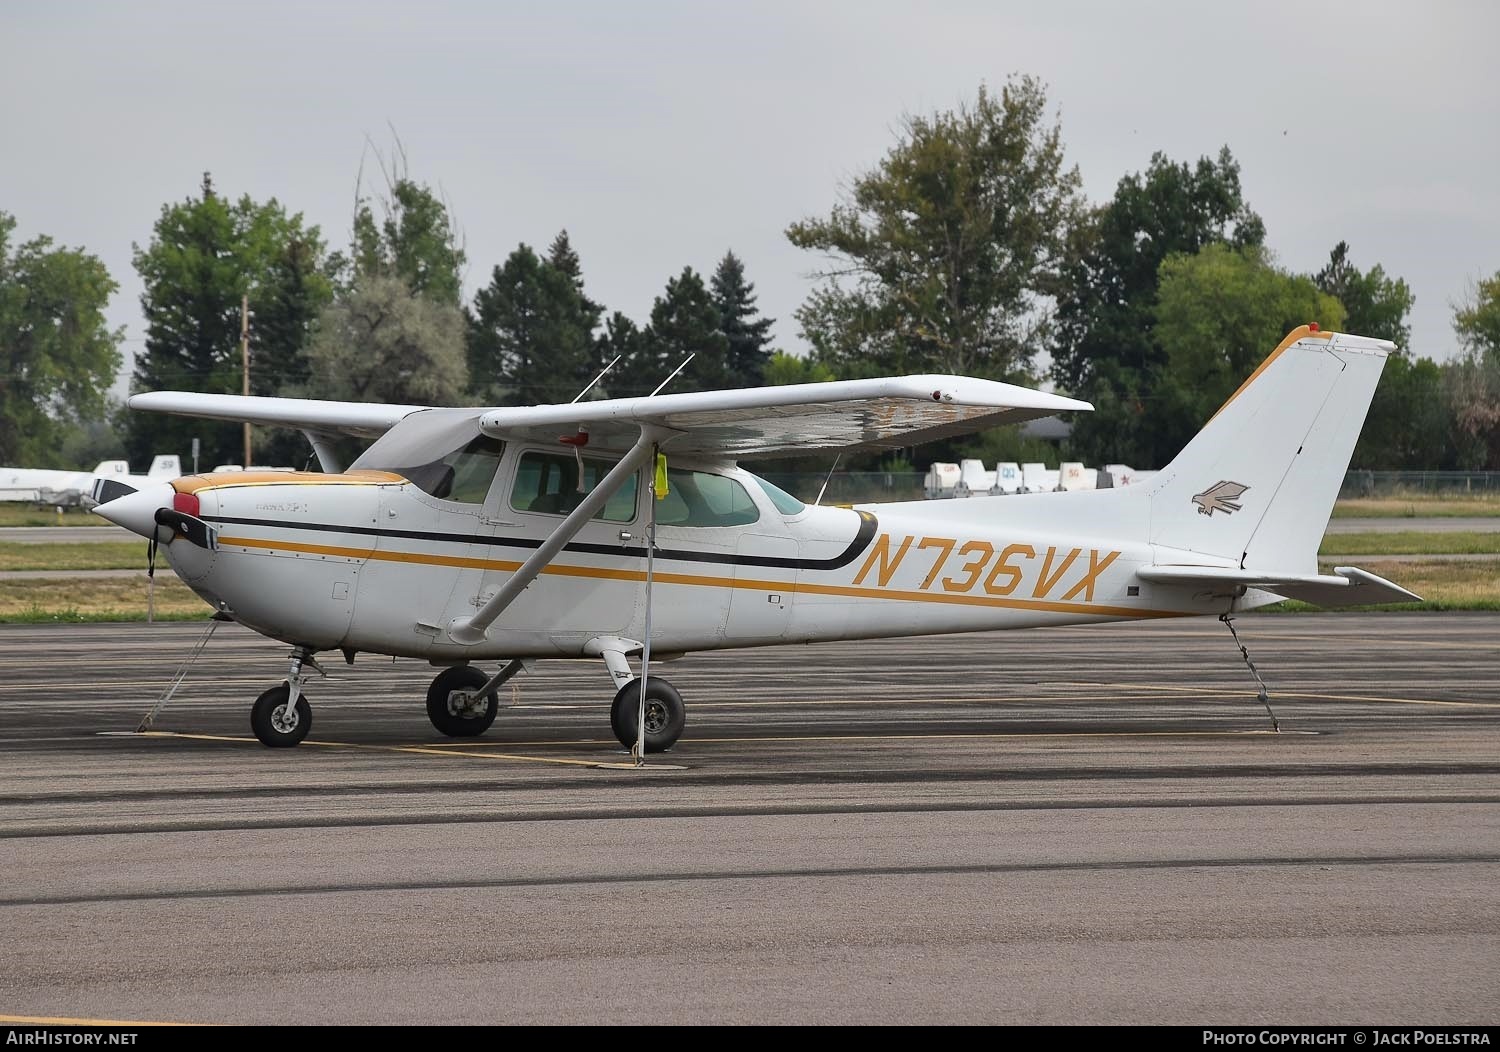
{"type": "Point", "coordinates": [748, 422]}
{"type": "Point", "coordinates": [769, 421]}
{"type": "Point", "coordinates": [360, 419]}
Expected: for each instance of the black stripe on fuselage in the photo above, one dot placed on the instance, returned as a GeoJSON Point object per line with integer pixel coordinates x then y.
{"type": "Point", "coordinates": [862, 538]}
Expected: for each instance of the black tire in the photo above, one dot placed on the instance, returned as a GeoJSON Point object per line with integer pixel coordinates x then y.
{"type": "Point", "coordinates": [268, 718]}
{"type": "Point", "coordinates": [441, 713]}
{"type": "Point", "coordinates": [666, 715]}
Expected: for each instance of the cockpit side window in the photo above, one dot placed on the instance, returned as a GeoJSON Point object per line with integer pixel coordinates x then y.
{"type": "Point", "coordinates": [462, 476]}
{"type": "Point", "coordinates": [548, 483]}
{"type": "Point", "coordinates": [698, 498]}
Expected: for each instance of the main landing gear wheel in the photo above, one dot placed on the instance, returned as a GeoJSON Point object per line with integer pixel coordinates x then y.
{"type": "Point", "coordinates": [275, 723]}
{"type": "Point", "coordinates": [453, 707]}
{"type": "Point", "coordinates": [665, 714]}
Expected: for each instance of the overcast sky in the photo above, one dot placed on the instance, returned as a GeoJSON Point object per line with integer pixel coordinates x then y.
{"type": "Point", "coordinates": [660, 134]}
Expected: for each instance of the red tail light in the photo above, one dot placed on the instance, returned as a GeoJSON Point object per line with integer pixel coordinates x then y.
{"type": "Point", "coordinates": [187, 503]}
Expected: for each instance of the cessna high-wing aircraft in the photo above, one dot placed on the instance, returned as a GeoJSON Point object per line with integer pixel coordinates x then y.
{"type": "Point", "coordinates": [470, 535]}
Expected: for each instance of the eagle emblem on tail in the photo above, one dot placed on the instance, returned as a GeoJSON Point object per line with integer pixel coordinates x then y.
{"type": "Point", "coordinates": [1221, 496]}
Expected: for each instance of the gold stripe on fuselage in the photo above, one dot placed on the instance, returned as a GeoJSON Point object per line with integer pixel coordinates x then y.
{"type": "Point", "coordinates": [702, 580]}
{"type": "Point", "coordinates": [232, 479]}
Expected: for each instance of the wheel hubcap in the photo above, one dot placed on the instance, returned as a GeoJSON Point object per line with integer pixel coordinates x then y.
{"type": "Point", "coordinates": [284, 719]}
{"type": "Point", "coordinates": [465, 705]}
{"type": "Point", "coordinates": [656, 717]}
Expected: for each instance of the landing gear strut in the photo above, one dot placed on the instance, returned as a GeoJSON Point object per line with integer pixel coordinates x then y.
{"type": "Point", "coordinates": [281, 717]}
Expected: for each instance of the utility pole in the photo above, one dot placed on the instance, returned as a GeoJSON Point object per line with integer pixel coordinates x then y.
{"type": "Point", "coordinates": [245, 362]}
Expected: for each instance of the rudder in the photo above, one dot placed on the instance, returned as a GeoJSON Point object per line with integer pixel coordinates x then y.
{"type": "Point", "coordinates": [1257, 484]}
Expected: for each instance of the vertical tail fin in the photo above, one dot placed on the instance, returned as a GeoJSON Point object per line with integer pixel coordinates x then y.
{"type": "Point", "coordinates": [1258, 483]}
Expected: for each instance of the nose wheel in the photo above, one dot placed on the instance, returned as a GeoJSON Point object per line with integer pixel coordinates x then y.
{"type": "Point", "coordinates": [281, 717]}
{"type": "Point", "coordinates": [278, 721]}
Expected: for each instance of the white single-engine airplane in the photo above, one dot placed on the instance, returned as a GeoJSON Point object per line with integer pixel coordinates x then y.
{"type": "Point", "coordinates": [466, 535]}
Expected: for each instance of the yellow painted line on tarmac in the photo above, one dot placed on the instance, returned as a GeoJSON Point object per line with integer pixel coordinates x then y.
{"type": "Point", "coordinates": [417, 749]}
{"type": "Point", "coordinates": [48, 1020]}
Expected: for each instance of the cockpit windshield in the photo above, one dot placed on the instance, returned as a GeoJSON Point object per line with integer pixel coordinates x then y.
{"type": "Point", "coordinates": [784, 501]}
{"type": "Point", "coordinates": [441, 451]}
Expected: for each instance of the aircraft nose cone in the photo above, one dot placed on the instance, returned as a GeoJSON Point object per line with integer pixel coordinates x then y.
{"type": "Point", "coordinates": [137, 511]}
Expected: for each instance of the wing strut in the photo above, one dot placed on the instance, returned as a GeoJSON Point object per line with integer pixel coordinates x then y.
{"type": "Point", "coordinates": [471, 630]}
{"type": "Point", "coordinates": [328, 458]}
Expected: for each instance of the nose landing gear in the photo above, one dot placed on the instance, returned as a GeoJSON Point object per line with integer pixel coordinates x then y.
{"type": "Point", "coordinates": [281, 717]}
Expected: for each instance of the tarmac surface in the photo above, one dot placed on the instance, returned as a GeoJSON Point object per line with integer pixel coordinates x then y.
{"type": "Point", "coordinates": [1058, 826]}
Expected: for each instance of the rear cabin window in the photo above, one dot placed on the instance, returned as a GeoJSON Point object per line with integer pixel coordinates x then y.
{"type": "Point", "coordinates": [463, 476]}
{"type": "Point", "coordinates": [548, 483]}
{"type": "Point", "coordinates": [697, 498]}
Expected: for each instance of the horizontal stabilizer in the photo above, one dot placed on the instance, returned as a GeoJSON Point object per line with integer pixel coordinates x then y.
{"type": "Point", "coordinates": [1346, 586]}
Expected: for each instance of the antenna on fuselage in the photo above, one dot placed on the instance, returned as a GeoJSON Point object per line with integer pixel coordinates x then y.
{"type": "Point", "coordinates": [828, 478]}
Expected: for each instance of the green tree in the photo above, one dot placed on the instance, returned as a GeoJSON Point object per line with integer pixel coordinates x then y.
{"type": "Point", "coordinates": [941, 255]}
{"type": "Point", "coordinates": [530, 336]}
{"type": "Point", "coordinates": [380, 343]}
{"type": "Point", "coordinates": [1376, 305]}
{"type": "Point", "coordinates": [57, 355]}
{"type": "Point", "coordinates": [1104, 344]}
{"type": "Point", "coordinates": [1476, 318]}
{"type": "Point", "coordinates": [1472, 382]}
{"type": "Point", "coordinates": [683, 321]}
{"type": "Point", "coordinates": [205, 254]}
{"type": "Point", "coordinates": [785, 369]}
{"type": "Point", "coordinates": [1409, 426]}
{"type": "Point", "coordinates": [564, 258]}
{"type": "Point", "coordinates": [1219, 313]}
{"type": "Point", "coordinates": [621, 339]}
{"type": "Point", "coordinates": [286, 311]}
{"type": "Point", "coordinates": [413, 238]}
{"type": "Point", "coordinates": [749, 334]}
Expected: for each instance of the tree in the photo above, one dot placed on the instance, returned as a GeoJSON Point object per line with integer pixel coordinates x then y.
{"type": "Point", "coordinates": [1375, 305]}
{"type": "Point", "coordinates": [1409, 424]}
{"type": "Point", "coordinates": [57, 355]}
{"type": "Point", "coordinates": [1104, 345]}
{"type": "Point", "coordinates": [785, 369]}
{"type": "Point", "coordinates": [294, 290]}
{"type": "Point", "coordinates": [380, 343]}
{"type": "Point", "coordinates": [414, 238]}
{"type": "Point", "coordinates": [205, 254]}
{"type": "Point", "coordinates": [1219, 313]}
{"type": "Point", "coordinates": [749, 335]}
{"type": "Point", "coordinates": [1476, 318]}
{"type": "Point", "coordinates": [942, 254]}
{"type": "Point", "coordinates": [1472, 382]}
{"type": "Point", "coordinates": [621, 339]}
{"type": "Point", "coordinates": [683, 321]}
{"type": "Point", "coordinates": [530, 337]}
